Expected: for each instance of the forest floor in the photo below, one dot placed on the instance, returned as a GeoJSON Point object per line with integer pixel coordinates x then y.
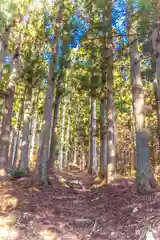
{"type": "Point", "coordinates": [70, 209]}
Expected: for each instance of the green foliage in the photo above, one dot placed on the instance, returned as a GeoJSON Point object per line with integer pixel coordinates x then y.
{"type": "Point", "coordinates": [17, 173]}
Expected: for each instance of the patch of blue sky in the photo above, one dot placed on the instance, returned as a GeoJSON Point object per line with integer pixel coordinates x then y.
{"type": "Point", "coordinates": [51, 37]}
{"type": "Point", "coordinates": [8, 60]}
{"type": "Point", "coordinates": [119, 16]}
{"type": "Point", "coordinates": [147, 62]}
{"type": "Point", "coordinates": [48, 27]}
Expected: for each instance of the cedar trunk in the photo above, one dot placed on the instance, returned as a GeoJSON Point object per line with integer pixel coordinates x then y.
{"type": "Point", "coordinates": [144, 175]}
{"type": "Point", "coordinates": [26, 131]}
{"type": "Point", "coordinates": [51, 159]}
{"type": "Point", "coordinates": [7, 116]}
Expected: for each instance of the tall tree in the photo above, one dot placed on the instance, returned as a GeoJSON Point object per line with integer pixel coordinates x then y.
{"type": "Point", "coordinates": [41, 166]}
{"type": "Point", "coordinates": [144, 176]}
{"type": "Point", "coordinates": [6, 124]}
{"type": "Point", "coordinates": [53, 144]}
{"type": "Point", "coordinates": [25, 135]}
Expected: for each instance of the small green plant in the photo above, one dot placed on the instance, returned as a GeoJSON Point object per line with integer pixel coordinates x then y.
{"type": "Point", "coordinates": [17, 173]}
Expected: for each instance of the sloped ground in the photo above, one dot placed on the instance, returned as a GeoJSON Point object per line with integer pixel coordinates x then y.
{"type": "Point", "coordinates": [70, 210]}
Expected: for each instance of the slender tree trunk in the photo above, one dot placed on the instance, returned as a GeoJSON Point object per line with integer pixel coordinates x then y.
{"type": "Point", "coordinates": [13, 146]}
{"type": "Point", "coordinates": [93, 148]}
{"type": "Point", "coordinates": [108, 90]}
{"type": "Point", "coordinates": [33, 122]}
{"type": "Point", "coordinates": [67, 143]}
{"type": "Point", "coordinates": [13, 160]}
{"type": "Point", "coordinates": [61, 152]}
{"type": "Point", "coordinates": [54, 127]}
{"type": "Point", "coordinates": [144, 175]}
{"type": "Point", "coordinates": [34, 128]}
{"type": "Point", "coordinates": [4, 47]}
{"type": "Point", "coordinates": [7, 115]}
{"type": "Point", "coordinates": [26, 130]}
{"type": "Point", "coordinates": [103, 140]}
{"type": "Point", "coordinates": [75, 151]}
{"type": "Point", "coordinates": [133, 158]}
{"type": "Point", "coordinates": [110, 105]}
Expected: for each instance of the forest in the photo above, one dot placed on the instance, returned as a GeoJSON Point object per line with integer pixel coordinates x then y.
{"type": "Point", "coordinates": [79, 119]}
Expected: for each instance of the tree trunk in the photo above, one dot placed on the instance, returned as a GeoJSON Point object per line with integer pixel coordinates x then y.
{"type": "Point", "coordinates": [41, 173]}
{"type": "Point", "coordinates": [41, 164]}
{"type": "Point", "coordinates": [103, 140]}
{"type": "Point", "coordinates": [93, 148]}
{"type": "Point", "coordinates": [61, 152]}
{"type": "Point", "coordinates": [13, 146]}
{"type": "Point", "coordinates": [156, 83]}
{"type": "Point", "coordinates": [4, 48]}
{"type": "Point", "coordinates": [13, 160]}
{"type": "Point", "coordinates": [75, 151]}
{"type": "Point", "coordinates": [54, 127]}
{"type": "Point", "coordinates": [108, 90]}
{"type": "Point", "coordinates": [67, 143]}
{"type": "Point", "coordinates": [33, 122]}
{"type": "Point", "coordinates": [33, 136]}
{"type": "Point", "coordinates": [144, 175]}
{"type": "Point", "coordinates": [110, 108]}
{"type": "Point", "coordinates": [7, 116]}
{"type": "Point", "coordinates": [26, 130]}
{"type": "Point", "coordinates": [133, 141]}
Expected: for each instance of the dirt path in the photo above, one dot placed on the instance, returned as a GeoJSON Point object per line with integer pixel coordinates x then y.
{"type": "Point", "coordinates": [70, 210]}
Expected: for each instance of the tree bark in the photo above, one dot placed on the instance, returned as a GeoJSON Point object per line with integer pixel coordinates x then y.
{"type": "Point", "coordinates": [93, 147]}
{"type": "Point", "coordinates": [54, 127]}
{"type": "Point", "coordinates": [4, 47]}
{"type": "Point", "coordinates": [33, 122]}
{"type": "Point", "coordinates": [67, 143]}
{"type": "Point", "coordinates": [156, 83]}
{"type": "Point", "coordinates": [26, 131]}
{"type": "Point", "coordinates": [75, 151]}
{"type": "Point", "coordinates": [144, 175]}
{"type": "Point", "coordinates": [40, 174]}
{"type": "Point", "coordinates": [107, 93]}
{"type": "Point", "coordinates": [103, 140]}
{"type": "Point", "coordinates": [7, 115]}
{"type": "Point", "coordinates": [61, 153]}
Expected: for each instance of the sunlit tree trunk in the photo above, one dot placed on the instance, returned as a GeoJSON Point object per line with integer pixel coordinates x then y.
{"type": "Point", "coordinates": [110, 100]}
{"type": "Point", "coordinates": [33, 122]}
{"type": "Point", "coordinates": [41, 173]}
{"type": "Point", "coordinates": [41, 164]}
{"type": "Point", "coordinates": [61, 151]}
{"type": "Point", "coordinates": [7, 115]}
{"type": "Point", "coordinates": [26, 130]}
{"type": "Point", "coordinates": [33, 136]}
{"type": "Point", "coordinates": [93, 147]}
{"type": "Point", "coordinates": [144, 176]}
